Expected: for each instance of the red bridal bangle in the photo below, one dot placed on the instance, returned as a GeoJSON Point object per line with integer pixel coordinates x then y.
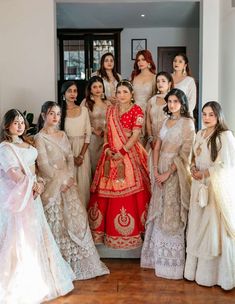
{"type": "Point", "coordinates": [122, 151]}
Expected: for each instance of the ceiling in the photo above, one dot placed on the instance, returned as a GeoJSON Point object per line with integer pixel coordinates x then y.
{"type": "Point", "coordinates": [128, 15]}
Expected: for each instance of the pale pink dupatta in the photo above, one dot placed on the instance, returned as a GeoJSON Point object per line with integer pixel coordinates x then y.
{"type": "Point", "coordinates": [14, 196]}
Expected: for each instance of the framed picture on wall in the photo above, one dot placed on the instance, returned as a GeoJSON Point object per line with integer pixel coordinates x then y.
{"type": "Point", "coordinates": [136, 46]}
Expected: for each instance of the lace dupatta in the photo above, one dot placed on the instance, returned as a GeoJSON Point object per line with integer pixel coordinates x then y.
{"type": "Point", "coordinates": [55, 163]}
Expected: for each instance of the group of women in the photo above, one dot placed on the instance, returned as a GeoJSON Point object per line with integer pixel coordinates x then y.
{"type": "Point", "coordinates": [132, 160]}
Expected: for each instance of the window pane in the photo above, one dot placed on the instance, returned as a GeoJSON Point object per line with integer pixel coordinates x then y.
{"type": "Point", "coordinates": [101, 47]}
{"type": "Point", "coordinates": [74, 59]}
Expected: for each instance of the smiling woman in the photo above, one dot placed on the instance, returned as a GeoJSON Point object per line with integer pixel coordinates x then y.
{"type": "Point", "coordinates": [28, 252]}
{"type": "Point", "coordinates": [120, 190]}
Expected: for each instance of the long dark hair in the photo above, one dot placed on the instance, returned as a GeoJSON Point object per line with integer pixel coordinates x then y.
{"type": "Point", "coordinates": [148, 57]}
{"type": "Point", "coordinates": [219, 128]}
{"type": "Point", "coordinates": [168, 76]}
{"type": "Point", "coordinates": [184, 111]}
{"type": "Point", "coordinates": [185, 58]}
{"type": "Point", "coordinates": [89, 100]}
{"type": "Point", "coordinates": [8, 119]}
{"type": "Point", "coordinates": [46, 107]}
{"type": "Point", "coordinates": [102, 72]}
{"type": "Point", "coordinates": [62, 101]}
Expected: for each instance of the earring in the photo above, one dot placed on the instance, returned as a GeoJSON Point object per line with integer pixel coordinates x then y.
{"type": "Point", "coordinates": [149, 66]}
{"type": "Point", "coordinates": [184, 71]}
{"type": "Point", "coordinates": [92, 98]}
{"type": "Point", "coordinates": [64, 98]}
{"type": "Point", "coordinates": [132, 99]}
{"type": "Point", "coordinates": [181, 110]}
{"type": "Point", "coordinates": [102, 96]}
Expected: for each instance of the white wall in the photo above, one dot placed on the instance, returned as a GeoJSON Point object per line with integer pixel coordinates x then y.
{"type": "Point", "coordinates": [27, 54]}
{"type": "Point", "coordinates": [209, 59]}
{"type": "Point", "coordinates": [227, 61]}
{"type": "Point", "coordinates": [156, 37]}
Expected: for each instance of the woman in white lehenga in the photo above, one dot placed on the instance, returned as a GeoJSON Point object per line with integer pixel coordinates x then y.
{"type": "Point", "coordinates": [76, 124]}
{"type": "Point", "coordinates": [32, 269]}
{"type": "Point", "coordinates": [164, 243]}
{"type": "Point", "coordinates": [64, 211]}
{"type": "Point", "coordinates": [156, 115]}
{"type": "Point", "coordinates": [211, 226]}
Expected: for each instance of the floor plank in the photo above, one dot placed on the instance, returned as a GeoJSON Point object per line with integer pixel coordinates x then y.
{"type": "Point", "coordinates": [130, 284]}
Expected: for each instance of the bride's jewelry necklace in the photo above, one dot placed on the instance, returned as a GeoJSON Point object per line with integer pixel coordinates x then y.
{"type": "Point", "coordinates": [17, 140]}
{"type": "Point", "coordinates": [125, 108]}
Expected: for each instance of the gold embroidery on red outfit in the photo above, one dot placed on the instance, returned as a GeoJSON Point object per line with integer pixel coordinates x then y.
{"type": "Point", "coordinates": [95, 217]}
{"type": "Point", "coordinates": [124, 223]}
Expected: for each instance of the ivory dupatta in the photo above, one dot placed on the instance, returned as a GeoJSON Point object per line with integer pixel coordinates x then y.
{"type": "Point", "coordinates": [14, 195]}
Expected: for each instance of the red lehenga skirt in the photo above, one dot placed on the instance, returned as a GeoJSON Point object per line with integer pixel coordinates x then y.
{"type": "Point", "coordinates": [120, 195]}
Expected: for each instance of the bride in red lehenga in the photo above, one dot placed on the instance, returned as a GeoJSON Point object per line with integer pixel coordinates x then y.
{"type": "Point", "coordinates": [120, 191]}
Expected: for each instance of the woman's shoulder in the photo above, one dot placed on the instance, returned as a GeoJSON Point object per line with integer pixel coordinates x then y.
{"type": "Point", "coordinates": [188, 121]}
{"type": "Point", "coordinates": [137, 109]}
{"type": "Point", "coordinates": [228, 134]}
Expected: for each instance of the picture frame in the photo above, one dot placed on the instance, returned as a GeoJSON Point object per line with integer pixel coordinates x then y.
{"type": "Point", "coordinates": [137, 45]}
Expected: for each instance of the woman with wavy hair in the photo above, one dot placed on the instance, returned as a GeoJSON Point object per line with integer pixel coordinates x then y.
{"type": "Point", "coordinates": [164, 243]}
{"type": "Point", "coordinates": [143, 78]}
{"type": "Point", "coordinates": [211, 225]}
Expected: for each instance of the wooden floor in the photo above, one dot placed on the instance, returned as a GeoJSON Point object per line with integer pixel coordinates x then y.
{"type": "Point", "coordinates": [129, 284]}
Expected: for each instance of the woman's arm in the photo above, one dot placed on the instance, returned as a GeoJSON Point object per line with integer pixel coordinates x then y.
{"type": "Point", "coordinates": [149, 124]}
{"type": "Point", "coordinates": [79, 159]}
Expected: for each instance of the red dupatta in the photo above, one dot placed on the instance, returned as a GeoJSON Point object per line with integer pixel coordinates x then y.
{"type": "Point", "coordinates": [134, 164]}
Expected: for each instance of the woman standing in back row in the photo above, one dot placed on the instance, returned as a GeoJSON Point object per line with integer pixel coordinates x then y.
{"type": "Point", "coordinates": [109, 75]}
{"type": "Point", "coordinates": [143, 78]}
{"type": "Point", "coordinates": [184, 81]}
{"type": "Point", "coordinates": [75, 122]}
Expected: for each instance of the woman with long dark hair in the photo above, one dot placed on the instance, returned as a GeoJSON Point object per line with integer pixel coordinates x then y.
{"type": "Point", "coordinates": [97, 104]}
{"type": "Point", "coordinates": [75, 122]}
{"type": "Point", "coordinates": [64, 210]}
{"type": "Point", "coordinates": [211, 224]}
{"type": "Point", "coordinates": [156, 115]}
{"type": "Point", "coordinates": [183, 79]}
{"type": "Point", "coordinates": [108, 73]}
{"type": "Point", "coordinates": [164, 243]}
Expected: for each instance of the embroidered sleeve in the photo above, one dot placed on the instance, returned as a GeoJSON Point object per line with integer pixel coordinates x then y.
{"type": "Point", "coordinates": [138, 118]}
